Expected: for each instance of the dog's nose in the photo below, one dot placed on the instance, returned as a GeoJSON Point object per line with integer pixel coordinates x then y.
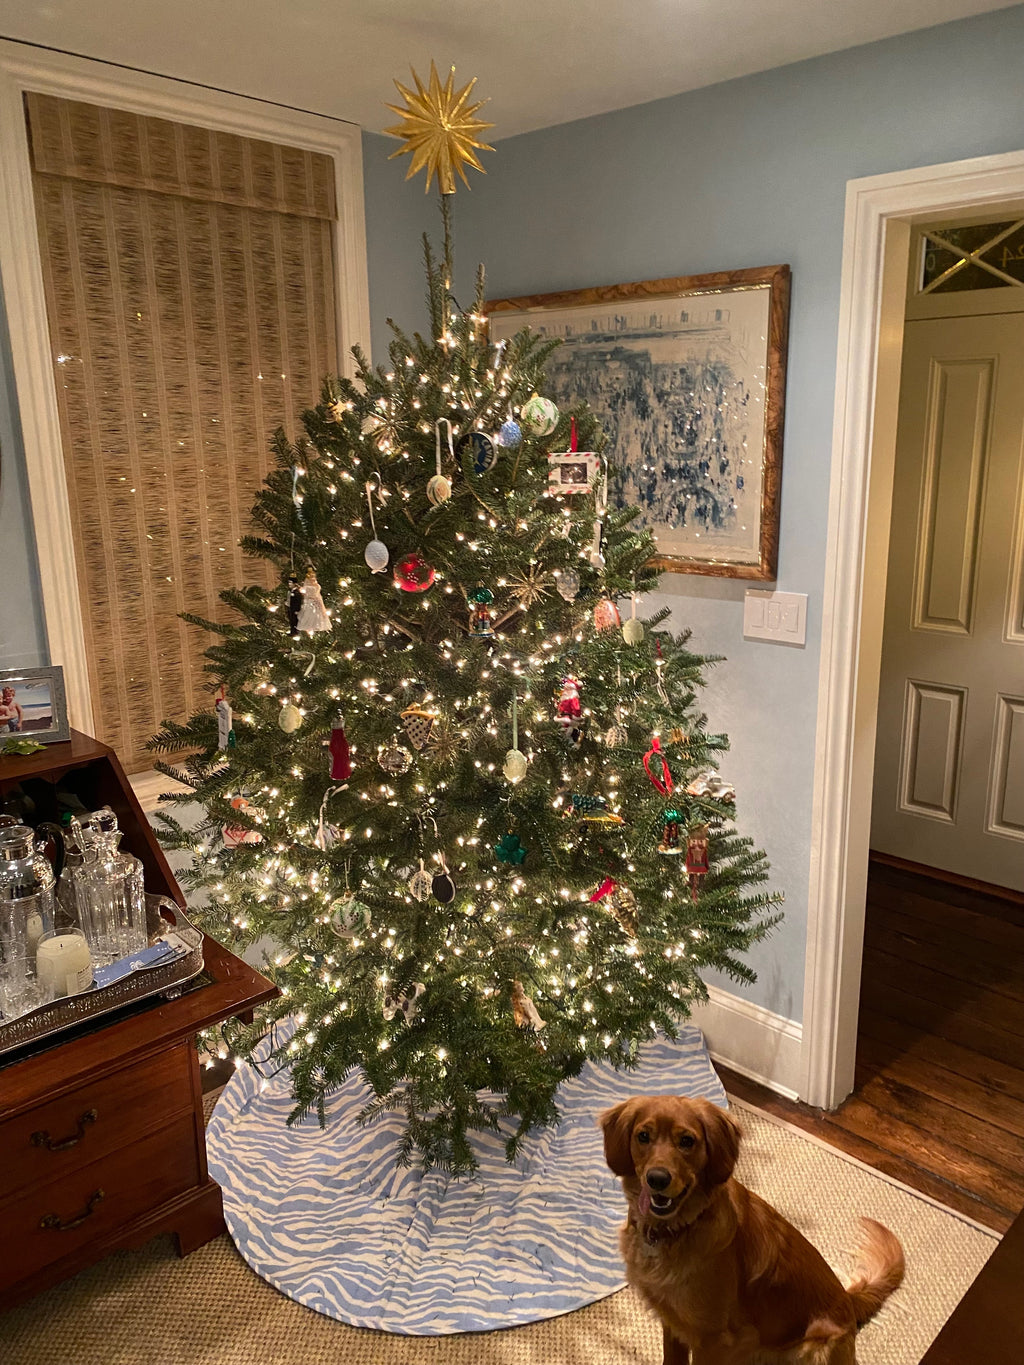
{"type": "Point", "coordinates": [658, 1178]}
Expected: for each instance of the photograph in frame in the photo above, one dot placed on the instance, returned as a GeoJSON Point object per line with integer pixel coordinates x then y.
{"type": "Point", "coordinates": [33, 705]}
{"type": "Point", "coordinates": [687, 378]}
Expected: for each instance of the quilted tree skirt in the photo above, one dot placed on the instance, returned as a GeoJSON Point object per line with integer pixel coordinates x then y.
{"type": "Point", "coordinates": [326, 1217]}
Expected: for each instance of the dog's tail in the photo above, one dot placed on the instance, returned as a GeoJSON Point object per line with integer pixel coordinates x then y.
{"type": "Point", "coordinates": [879, 1270]}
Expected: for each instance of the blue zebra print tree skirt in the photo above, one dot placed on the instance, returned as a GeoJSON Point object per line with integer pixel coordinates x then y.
{"type": "Point", "coordinates": [326, 1217]}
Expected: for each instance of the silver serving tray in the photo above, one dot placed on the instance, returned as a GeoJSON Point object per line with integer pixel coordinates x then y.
{"type": "Point", "coordinates": [166, 980]}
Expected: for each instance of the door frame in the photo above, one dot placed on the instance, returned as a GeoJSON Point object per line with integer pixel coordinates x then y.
{"type": "Point", "coordinates": [27, 68]}
{"type": "Point", "coordinates": [880, 211]}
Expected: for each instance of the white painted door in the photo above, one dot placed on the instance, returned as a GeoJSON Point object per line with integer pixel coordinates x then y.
{"type": "Point", "coordinates": [949, 760]}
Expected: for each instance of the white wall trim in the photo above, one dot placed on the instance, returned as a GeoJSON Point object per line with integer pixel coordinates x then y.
{"type": "Point", "coordinates": [24, 68]}
{"type": "Point", "coordinates": [879, 213]}
{"type": "Point", "coordinates": [760, 1045]}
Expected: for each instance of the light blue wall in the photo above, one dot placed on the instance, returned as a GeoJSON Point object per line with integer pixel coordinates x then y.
{"type": "Point", "coordinates": [22, 638]}
{"type": "Point", "coordinates": [748, 173]}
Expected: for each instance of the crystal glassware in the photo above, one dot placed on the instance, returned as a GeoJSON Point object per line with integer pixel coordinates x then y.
{"type": "Point", "coordinates": [110, 893]}
{"type": "Point", "coordinates": [26, 916]}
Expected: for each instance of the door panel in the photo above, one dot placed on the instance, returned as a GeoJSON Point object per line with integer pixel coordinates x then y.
{"type": "Point", "coordinates": [949, 762]}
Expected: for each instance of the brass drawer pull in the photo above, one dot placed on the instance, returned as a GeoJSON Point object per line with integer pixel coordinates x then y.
{"type": "Point", "coordinates": [52, 1220]}
{"type": "Point", "coordinates": [43, 1138]}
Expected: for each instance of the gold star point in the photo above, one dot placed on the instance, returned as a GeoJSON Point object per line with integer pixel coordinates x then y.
{"type": "Point", "coordinates": [439, 129]}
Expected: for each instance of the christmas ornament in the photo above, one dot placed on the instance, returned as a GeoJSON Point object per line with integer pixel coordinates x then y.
{"type": "Point", "coordinates": [439, 130]}
{"type": "Point", "coordinates": [510, 849]}
{"type": "Point", "coordinates": [290, 718]}
{"type": "Point", "coordinates": [394, 759]}
{"type": "Point", "coordinates": [313, 615]}
{"type": "Point", "coordinates": [653, 756]}
{"type": "Point", "coordinates": [606, 615]}
{"type": "Point", "coordinates": [480, 600]}
{"type": "Point", "coordinates": [338, 408]}
{"type": "Point", "coordinates": [539, 416]}
{"type": "Point", "coordinates": [376, 553]}
{"type": "Point", "coordinates": [421, 883]}
{"type": "Point", "coordinates": [616, 735]}
{"type": "Point", "coordinates": [238, 834]}
{"type": "Point", "coordinates": [341, 762]}
{"type": "Point", "coordinates": [419, 722]}
{"type": "Point", "coordinates": [568, 584]}
{"type": "Point", "coordinates": [347, 917]}
{"type": "Point", "coordinates": [622, 904]}
{"type": "Point", "coordinates": [573, 471]}
{"type": "Point", "coordinates": [510, 435]}
{"type": "Point", "coordinates": [442, 886]}
{"type": "Point", "coordinates": [530, 586]}
{"type": "Point", "coordinates": [697, 858]}
{"type": "Point", "coordinates": [593, 809]}
{"type": "Point", "coordinates": [446, 742]}
{"type": "Point", "coordinates": [633, 630]}
{"type": "Point", "coordinates": [596, 554]}
{"type": "Point", "coordinates": [567, 708]}
{"type": "Point", "coordinates": [481, 449]}
{"type": "Point", "coordinates": [404, 1003]}
{"type": "Point", "coordinates": [515, 760]}
{"type": "Point", "coordinates": [225, 730]}
{"type": "Point", "coordinates": [413, 573]}
{"type": "Point", "coordinates": [710, 784]}
{"type": "Point", "coordinates": [439, 488]}
{"type": "Point", "coordinates": [294, 604]}
{"type": "Point", "coordinates": [669, 843]}
{"type": "Point", "coordinates": [524, 1010]}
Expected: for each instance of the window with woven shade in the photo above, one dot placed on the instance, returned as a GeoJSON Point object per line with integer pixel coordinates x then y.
{"type": "Point", "coordinates": [190, 289]}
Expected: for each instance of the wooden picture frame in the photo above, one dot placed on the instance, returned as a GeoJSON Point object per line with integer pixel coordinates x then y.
{"type": "Point", "coordinates": [696, 366]}
{"type": "Point", "coordinates": [32, 701]}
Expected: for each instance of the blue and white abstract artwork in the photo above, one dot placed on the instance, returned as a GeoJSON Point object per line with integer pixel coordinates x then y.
{"type": "Point", "coordinates": [679, 385]}
{"type": "Point", "coordinates": [327, 1217]}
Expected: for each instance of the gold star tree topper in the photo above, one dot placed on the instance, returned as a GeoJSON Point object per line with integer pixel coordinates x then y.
{"type": "Point", "coordinates": [439, 129]}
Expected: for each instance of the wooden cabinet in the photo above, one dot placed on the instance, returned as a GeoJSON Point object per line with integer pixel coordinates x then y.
{"type": "Point", "coordinates": [102, 1142]}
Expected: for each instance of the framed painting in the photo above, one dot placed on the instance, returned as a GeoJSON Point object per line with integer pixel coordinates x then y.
{"type": "Point", "coordinates": [688, 378]}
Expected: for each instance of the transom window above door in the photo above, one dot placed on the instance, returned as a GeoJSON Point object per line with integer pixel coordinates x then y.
{"type": "Point", "coordinates": [973, 256]}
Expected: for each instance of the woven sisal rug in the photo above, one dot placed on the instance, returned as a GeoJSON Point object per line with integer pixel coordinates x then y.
{"type": "Point", "coordinates": [210, 1309]}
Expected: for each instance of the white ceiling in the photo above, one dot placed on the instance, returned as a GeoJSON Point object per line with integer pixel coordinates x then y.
{"type": "Point", "coordinates": [541, 62]}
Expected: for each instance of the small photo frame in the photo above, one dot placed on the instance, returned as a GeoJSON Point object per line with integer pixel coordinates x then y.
{"type": "Point", "coordinates": [33, 705]}
{"type": "Point", "coordinates": [573, 472]}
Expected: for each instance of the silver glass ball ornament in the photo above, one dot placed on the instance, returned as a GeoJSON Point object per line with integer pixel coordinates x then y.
{"type": "Point", "coordinates": [377, 555]}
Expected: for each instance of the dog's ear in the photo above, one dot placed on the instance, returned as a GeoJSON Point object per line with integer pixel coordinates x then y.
{"type": "Point", "coordinates": [721, 1140]}
{"type": "Point", "coordinates": [617, 1124]}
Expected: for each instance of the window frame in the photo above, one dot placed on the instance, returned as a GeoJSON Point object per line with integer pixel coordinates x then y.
{"type": "Point", "coordinates": [26, 68]}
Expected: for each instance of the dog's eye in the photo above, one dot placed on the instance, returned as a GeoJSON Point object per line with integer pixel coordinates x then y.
{"type": "Point", "coordinates": [643, 1136]}
{"type": "Point", "coordinates": [686, 1141]}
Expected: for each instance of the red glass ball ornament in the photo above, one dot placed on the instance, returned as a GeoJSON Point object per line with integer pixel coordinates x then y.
{"type": "Point", "coordinates": [413, 573]}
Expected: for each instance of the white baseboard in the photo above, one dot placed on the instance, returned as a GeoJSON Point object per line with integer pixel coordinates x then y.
{"type": "Point", "coordinates": [759, 1044]}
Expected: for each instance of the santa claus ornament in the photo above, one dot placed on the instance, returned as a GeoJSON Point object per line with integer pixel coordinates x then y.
{"type": "Point", "coordinates": [568, 710]}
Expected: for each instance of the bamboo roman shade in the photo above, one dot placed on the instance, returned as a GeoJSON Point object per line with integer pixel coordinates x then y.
{"type": "Point", "coordinates": [190, 287]}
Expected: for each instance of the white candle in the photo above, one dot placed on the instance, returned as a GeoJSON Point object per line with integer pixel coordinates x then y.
{"type": "Point", "coordinates": [64, 964]}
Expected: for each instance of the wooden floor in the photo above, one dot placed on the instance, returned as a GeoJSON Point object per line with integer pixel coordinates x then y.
{"type": "Point", "coordinates": [939, 1098]}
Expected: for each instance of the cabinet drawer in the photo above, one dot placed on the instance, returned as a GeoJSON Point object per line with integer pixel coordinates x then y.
{"type": "Point", "coordinates": [57, 1219]}
{"type": "Point", "coordinates": [62, 1135]}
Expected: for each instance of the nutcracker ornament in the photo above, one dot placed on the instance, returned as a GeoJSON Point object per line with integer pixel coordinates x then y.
{"type": "Point", "coordinates": [669, 843]}
{"type": "Point", "coordinates": [697, 858]}
{"type": "Point", "coordinates": [480, 602]}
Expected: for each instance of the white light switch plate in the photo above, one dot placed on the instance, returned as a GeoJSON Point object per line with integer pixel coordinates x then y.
{"type": "Point", "coordinates": [777, 616]}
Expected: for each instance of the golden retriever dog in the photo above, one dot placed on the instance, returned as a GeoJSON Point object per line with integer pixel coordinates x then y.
{"type": "Point", "coordinates": [731, 1280]}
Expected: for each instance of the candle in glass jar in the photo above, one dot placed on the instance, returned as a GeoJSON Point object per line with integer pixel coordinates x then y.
{"type": "Point", "coordinates": [64, 963]}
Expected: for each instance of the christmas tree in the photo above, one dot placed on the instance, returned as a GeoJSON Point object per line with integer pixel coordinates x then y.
{"type": "Point", "coordinates": [476, 814]}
